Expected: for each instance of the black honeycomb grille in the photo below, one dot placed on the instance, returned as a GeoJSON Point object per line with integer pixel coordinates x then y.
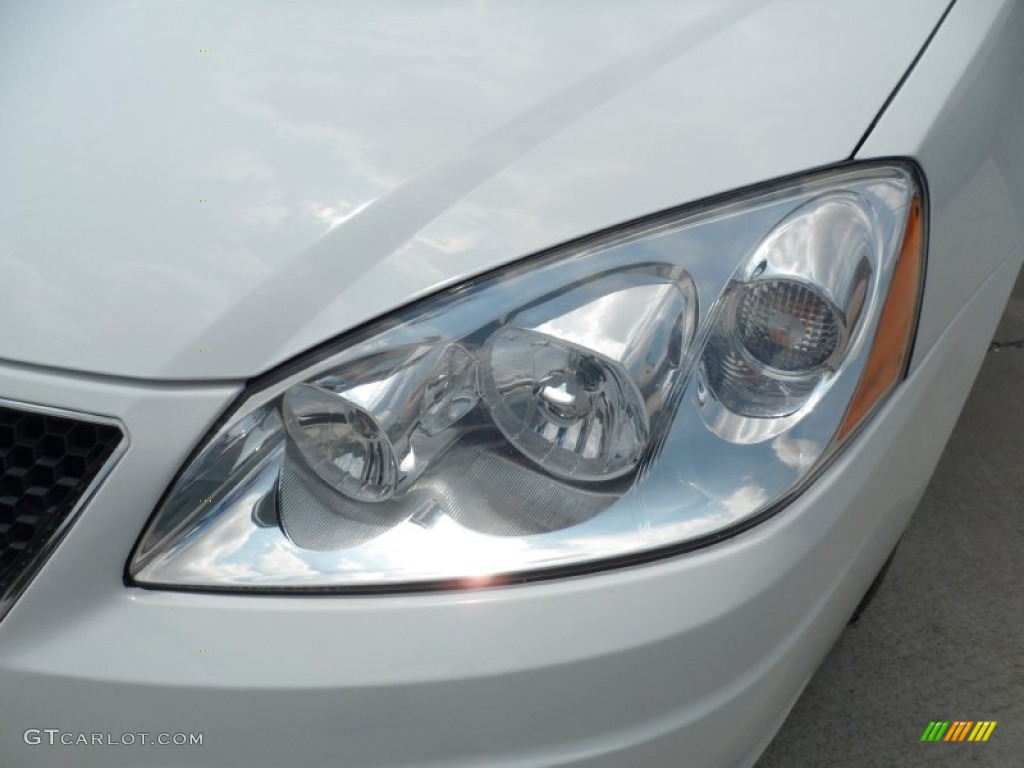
{"type": "Point", "coordinates": [46, 463]}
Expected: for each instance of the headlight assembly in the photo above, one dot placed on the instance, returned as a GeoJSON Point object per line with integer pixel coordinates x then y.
{"type": "Point", "coordinates": [621, 398]}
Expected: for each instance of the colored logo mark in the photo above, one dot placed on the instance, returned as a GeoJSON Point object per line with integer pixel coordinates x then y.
{"type": "Point", "coordinates": [958, 730]}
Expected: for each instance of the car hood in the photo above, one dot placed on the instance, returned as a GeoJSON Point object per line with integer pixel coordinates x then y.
{"type": "Point", "coordinates": [201, 191]}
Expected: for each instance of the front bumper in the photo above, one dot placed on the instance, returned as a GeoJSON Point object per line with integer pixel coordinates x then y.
{"type": "Point", "coordinates": [693, 660]}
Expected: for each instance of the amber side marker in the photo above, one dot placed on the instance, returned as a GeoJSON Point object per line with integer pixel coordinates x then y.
{"type": "Point", "coordinates": [888, 357]}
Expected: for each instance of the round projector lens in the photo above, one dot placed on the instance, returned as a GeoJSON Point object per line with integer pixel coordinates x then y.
{"type": "Point", "coordinates": [787, 325]}
{"type": "Point", "coordinates": [574, 413]}
{"type": "Point", "coordinates": [343, 444]}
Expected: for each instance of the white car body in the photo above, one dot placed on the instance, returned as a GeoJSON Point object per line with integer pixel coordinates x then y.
{"type": "Point", "coordinates": [357, 157]}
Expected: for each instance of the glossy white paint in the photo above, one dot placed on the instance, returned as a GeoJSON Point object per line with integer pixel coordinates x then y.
{"type": "Point", "coordinates": [961, 115]}
{"type": "Point", "coordinates": [357, 156]}
{"type": "Point", "coordinates": [697, 656]}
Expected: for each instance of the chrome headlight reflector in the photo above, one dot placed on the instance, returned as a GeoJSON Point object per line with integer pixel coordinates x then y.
{"type": "Point", "coordinates": [623, 397]}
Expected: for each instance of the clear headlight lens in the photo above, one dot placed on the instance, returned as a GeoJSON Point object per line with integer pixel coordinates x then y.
{"type": "Point", "coordinates": [617, 399]}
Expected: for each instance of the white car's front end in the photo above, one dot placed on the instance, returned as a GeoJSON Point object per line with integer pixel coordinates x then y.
{"type": "Point", "coordinates": [476, 385]}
